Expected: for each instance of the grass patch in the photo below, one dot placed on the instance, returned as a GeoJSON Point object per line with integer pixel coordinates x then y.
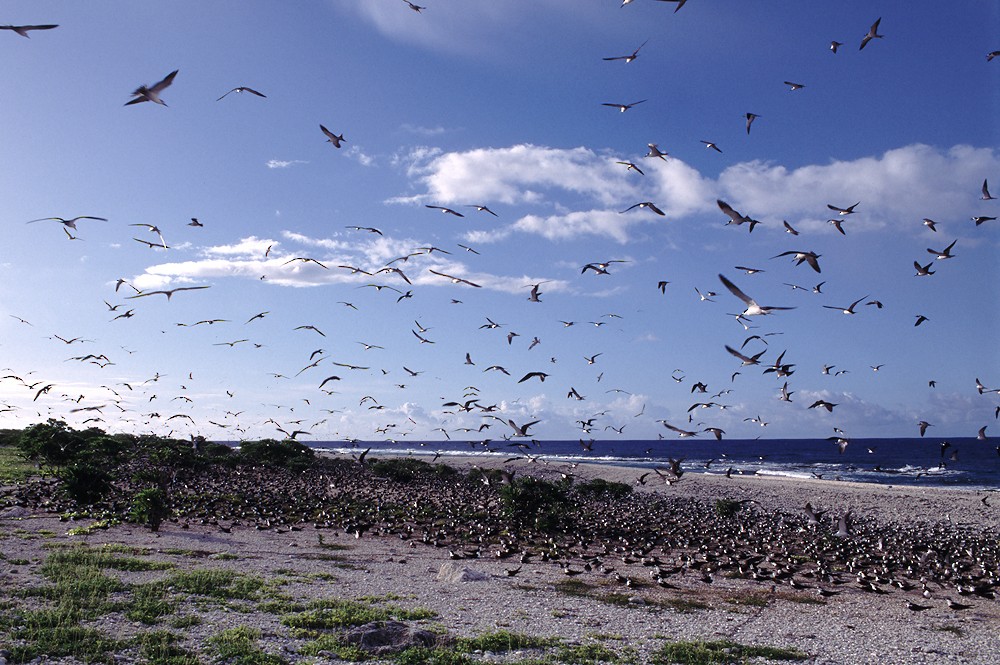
{"type": "Point", "coordinates": [331, 644]}
{"type": "Point", "coordinates": [425, 656]}
{"type": "Point", "coordinates": [222, 584]}
{"type": "Point", "coordinates": [160, 648]}
{"type": "Point", "coordinates": [503, 641]}
{"type": "Point", "coordinates": [185, 621]}
{"type": "Point", "coordinates": [582, 654]}
{"type": "Point", "coordinates": [239, 645]}
{"type": "Point", "coordinates": [721, 651]}
{"type": "Point", "coordinates": [332, 613]}
{"type": "Point", "coordinates": [577, 588]}
{"type": "Point", "coordinates": [14, 466]}
{"type": "Point", "coordinates": [149, 603]}
{"type": "Point", "coordinates": [683, 605]}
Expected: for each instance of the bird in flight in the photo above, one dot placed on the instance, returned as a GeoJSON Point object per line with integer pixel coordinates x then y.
{"type": "Point", "coordinates": [23, 30]}
{"type": "Point", "coordinates": [481, 208]}
{"type": "Point", "coordinates": [750, 118]}
{"type": "Point", "coordinates": [446, 211]}
{"type": "Point", "coordinates": [242, 88]}
{"type": "Point", "coordinates": [414, 7]}
{"type": "Point", "coordinates": [654, 151]}
{"type": "Point", "coordinates": [712, 146]}
{"type": "Point", "coordinates": [849, 210]}
{"type": "Point", "coordinates": [152, 93]}
{"type": "Point", "coordinates": [753, 309]}
{"type": "Point", "coordinates": [794, 86]}
{"type": "Point", "coordinates": [847, 310]}
{"type": "Point", "coordinates": [623, 107]}
{"type": "Point", "coordinates": [646, 204]}
{"type": "Point", "coordinates": [629, 166]}
{"type": "Point", "coordinates": [812, 258]}
{"type": "Point", "coordinates": [71, 223]}
{"type": "Point", "coordinates": [680, 3]}
{"type": "Point", "coordinates": [454, 280]}
{"type": "Point", "coordinates": [630, 57]}
{"type": "Point", "coordinates": [944, 253]}
{"type": "Point", "coordinates": [834, 45]}
{"type": "Point", "coordinates": [333, 138]}
{"type": "Point", "coordinates": [872, 34]}
{"type": "Point", "coordinates": [986, 192]}
{"type": "Point", "coordinates": [167, 293]}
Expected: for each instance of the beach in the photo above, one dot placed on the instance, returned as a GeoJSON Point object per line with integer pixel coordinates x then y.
{"type": "Point", "coordinates": [592, 599]}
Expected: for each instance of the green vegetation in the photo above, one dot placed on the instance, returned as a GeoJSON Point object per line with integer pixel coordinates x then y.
{"type": "Point", "coordinates": [160, 648]}
{"type": "Point", "coordinates": [726, 508]}
{"type": "Point", "coordinates": [290, 455]}
{"type": "Point", "coordinates": [723, 652]}
{"type": "Point", "coordinates": [150, 507]}
{"type": "Point", "coordinates": [502, 641]}
{"type": "Point", "coordinates": [221, 584]}
{"type": "Point", "coordinates": [239, 646]}
{"type": "Point", "coordinates": [326, 614]}
{"type": "Point", "coordinates": [539, 504]}
{"type": "Point", "coordinates": [603, 489]}
{"type": "Point", "coordinates": [15, 467]}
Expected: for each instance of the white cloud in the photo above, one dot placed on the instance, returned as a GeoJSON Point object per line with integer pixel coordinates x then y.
{"type": "Point", "coordinates": [251, 246]}
{"type": "Point", "coordinates": [283, 163]}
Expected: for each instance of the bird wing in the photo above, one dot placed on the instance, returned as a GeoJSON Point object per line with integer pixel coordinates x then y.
{"type": "Point", "coordinates": [735, 290]}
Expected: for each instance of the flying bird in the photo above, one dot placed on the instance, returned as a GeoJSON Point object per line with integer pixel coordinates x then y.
{"type": "Point", "coordinates": [480, 208]}
{"type": "Point", "coordinates": [923, 271]}
{"type": "Point", "coordinates": [753, 309]}
{"type": "Point", "coordinates": [630, 57]}
{"type": "Point", "coordinates": [646, 204]}
{"type": "Point", "coordinates": [847, 310]}
{"type": "Point", "coordinates": [152, 93]}
{"type": "Point", "coordinates": [834, 45]}
{"type": "Point", "coordinates": [454, 280]}
{"type": "Point", "coordinates": [71, 223]}
{"type": "Point", "coordinates": [23, 30]}
{"type": "Point", "coordinates": [872, 34]}
{"type": "Point", "coordinates": [629, 166]}
{"type": "Point", "coordinates": [680, 3]}
{"type": "Point", "coordinates": [986, 192]}
{"type": "Point", "coordinates": [750, 118]}
{"type": "Point", "coordinates": [789, 229]}
{"type": "Point", "coordinates": [623, 107]}
{"type": "Point", "coordinates": [447, 211]}
{"type": "Point", "coordinates": [167, 293]}
{"type": "Point", "coordinates": [654, 151]}
{"type": "Point", "coordinates": [242, 88]}
{"type": "Point", "coordinates": [944, 253]}
{"type": "Point", "coordinates": [333, 138]}
{"type": "Point", "coordinates": [812, 258]}
{"type": "Point", "coordinates": [794, 86]}
{"type": "Point", "coordinates": [710, 145]}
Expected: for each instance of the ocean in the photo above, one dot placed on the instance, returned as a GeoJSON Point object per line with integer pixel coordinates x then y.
{"type": "Point", "coordinates": [964, 463]}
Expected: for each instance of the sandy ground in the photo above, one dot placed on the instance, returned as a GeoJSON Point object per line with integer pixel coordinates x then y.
{"type": "Point", "coordinates": [850, 627]}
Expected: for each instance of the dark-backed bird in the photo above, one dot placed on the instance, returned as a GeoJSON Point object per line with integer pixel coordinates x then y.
{"type": "Point", "coordinates": [152, 93]}
{"type": "Point", "coordinates": [23, 30]}
{"type": "Point", "coordinates": [944, 253]}
{"type": "Point", "coordinates": [447, 211]}
{"type": "Point", "coordinates": [872, 34]}
{"type": "Point", "coordinates": [812, 258]}
{"type": "Point", "coordinates": [333, 138]}
{"type": "Point", "coordinates": [167, 293]}
{"type": "Point", "coordinates": [750, 118]}
{"type": "Point", "coordinates": [753, 309]}
{"type": "Point", "coordinates": [630, 57]}
{"type": "Point", "coordinates": [71, 223]}
{"type": "Point", "coordinates": [242, 88]}
{"type": "Point", "coordinates": [646, 204]}
{"type": "Point", "coordinates": [623, 107]}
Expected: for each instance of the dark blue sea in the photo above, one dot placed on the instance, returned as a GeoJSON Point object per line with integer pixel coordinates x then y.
{"type": "Point", "coordinates": [965, 463]}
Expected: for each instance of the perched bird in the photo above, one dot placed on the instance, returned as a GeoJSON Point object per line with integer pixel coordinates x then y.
{"type": "Point", "coordinates": [333, 138]}
{"type": "Point", "coordinates": [152, 93]}
{"type": "Point", "coordinates": [872, 34]}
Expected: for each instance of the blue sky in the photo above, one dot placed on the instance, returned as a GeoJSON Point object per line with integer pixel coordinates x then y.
{"type": "Point", "coordinates": [501, 105]}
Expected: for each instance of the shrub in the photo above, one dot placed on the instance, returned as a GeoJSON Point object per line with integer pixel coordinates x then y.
{"type": "Point", "coordinates": [598, 487]}
{"type": "Point", "coordinates": [289, 454]}
{"type": "Point", "coordinates": [532, 502]}
{"type": "Point", "coordinates": [150, 507]}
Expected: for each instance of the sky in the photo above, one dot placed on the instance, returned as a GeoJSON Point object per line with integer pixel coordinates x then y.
{"type": "Point", "coordinates": [286, 325]}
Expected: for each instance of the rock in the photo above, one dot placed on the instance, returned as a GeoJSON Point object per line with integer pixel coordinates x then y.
{"type": "Point", "coordinates": [389, 636]}
{"type": "Point", "coordinates": [454, 573]}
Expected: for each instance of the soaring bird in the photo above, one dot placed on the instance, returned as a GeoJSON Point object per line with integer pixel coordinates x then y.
{"type": "Point", "coordinates": [750, 118]}
{"type": "Point", "coordinates": [794, 86]}
{"type": "Point", "coordinates": [834, 45]}
{"type": "Point", "coordinates": [923, 271]}
{"type": "Point", "coordinates": [71, 223]}
{"type": "Point", "coordinates": [646, 204]}
{"type": "Point", "coordinates": [167, 293]}
{"type": "Point", "coordinates": [447, 211]}
{"type": "Point", "coordinates": [654, 151]}
{"type": "Point", "coordinates": [872, 34]}
{"type": "Point", "coordinates": [629, 166]}
{"type": "Point", "coordinates": [242, 88]}
{"type": "Point", "coordinates": [333, 138]}
{"type": "Point", "coordinates": [986, 192]}
{"type": "Point", "coordinates": [823, 404]}
{"type": "Point", "coordinates": [944, 253]}
{"type": "Point", "coordinates": [454, 280]}
{"type": "Point", "coordinates": [680, 3]}
{"type": "Point", "coordinates": [847, 310]}
{"type": "Point", "coordinates": [710, 145]}
{"type": "Point", "coordinates": [623, 107]}
{"type": "Point", "coordinates": [753, 309]}
{"type": "Point", "coordinates": [152, 93]}
{"type": "Point", "coordinates": [630, 57]}
{"type": "Point", "coordinates": [849, 210]}
{"type": "Point", "coordinates": [812, 258]}
{"type": "Point", "coordinates": [24, 29]}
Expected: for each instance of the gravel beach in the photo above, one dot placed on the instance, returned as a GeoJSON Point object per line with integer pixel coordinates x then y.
{"type": "Point", "coordinates": [467, 592]}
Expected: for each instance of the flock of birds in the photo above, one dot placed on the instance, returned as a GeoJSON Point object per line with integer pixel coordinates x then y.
{"type": "Point", "coordinates": [129, 403]}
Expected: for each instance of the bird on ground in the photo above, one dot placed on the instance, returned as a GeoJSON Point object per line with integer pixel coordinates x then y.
{"type": "Point", "coordinates": [944, 253]}
{"type": "Point", "coordinates": [645, 204]}
{"type": "Point", "coordinates": [23, 30]}
{"type": "Point", "coordinates": [630, 57]}
{"type": "Point", "coordinates": [753, 309]}
{"type": "Point", "coordinates": [152, 93]}
{"type": "Point", "coordinates": [750, 118]}
{"type": "Point", "coordinates": [454, 280]}
{"type": "Point", "coordinates": [167, 293]}
{"type": "Point", "coordinates": [623, 107]}
{"type": "Point", "coordinates": [333, 138]}
{"type": "Point", "coordinates": [447, 211]}
{"type": "Point", "coordinates": [812, 258]}
{"type": "Point", "coordinates": [872, 34]}
{"type": "Point", "coordinates": [847, 310]}
{"type": "Point", "coordinates": [71, 223]}
{"type": "Point", "coordinates": [241, 89]}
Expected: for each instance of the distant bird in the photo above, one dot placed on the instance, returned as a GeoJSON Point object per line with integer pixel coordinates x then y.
{"type": "Point", "coordinates": [630, 57]}
{"type": "Point", "coordinates": [23, 30]}
{"type": "Point", "coordinates": [847, 310]}
{"type": "Point", "coordinates": [823, 404]}
{"type": "Point", "coordinates": [835, 45]}
{"type": "Point", "coordinates": [71, 223]}
{"type": "Point", "coordinates": [750, 118]}
{"type": "Point", "coordinates": [872, 34]}
{"type": "Point", "coordinates": [454, 280]}
{"type": "Point", "coordinates": [541, 376]}
{"type": "Point", "coordinates": [631, 167]}
{"type": "Point", "coordinates": [930, 223]}
{"type": "Point", "coordinates": [923, 271]}
{"type": "Point", "coordinates": [447, 211]}
{"type": "Point", "coordinates": [370, 229]}
{"type": "Point", "coordinates": [752, 360]}
{"type": "Point", "coordinates": [735, 217]}
{"type": "Point", "coordinates": [242, 88]}
{"type": "Point", "coordinates": [414, 7]}
{"type": "Point", "coordinates": [521, 430]}
{"type": "Point", "coordinates": [480, 208]}
{"type": "Point", "coordinates": [986, 192]}
{"type": "Point", "coordinates": [152, 93]}
{"type": "Point", "coordinates": [794, 86]}
{"type": "Point", "coordinates": [992, 54]}
{"type": "Point", "coordinates": [683, 433]}
{"type": "Point", "coordinates": [712, 146]}
{"type": "Point", "coordinates": [789, 229]}
{"type": "Point", "coordinates": [849, 210]}
{"type": "Point", "coordinates": [920, 319]}
{"type": "Point", "coordinates": [333, 138]}
{"type": "Point", "coordinates": [982, 219]}
{"type": "Point", "coordinates": [944, 253]}
{"type": "Point", "coordinates": [623, 107]}
{"type": "Point", "coordinates": [680, 3]}
{"type": "Point", "coordinates": [194, 222]}
{"type": "Point", "coordinates": [753, 309]}
{"type": "Point", "coordinates": [646, 204]}
{"type": "Point", "coordinates": [167, 293]}
{"type": "Point", "coordinates": [923, 425]}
